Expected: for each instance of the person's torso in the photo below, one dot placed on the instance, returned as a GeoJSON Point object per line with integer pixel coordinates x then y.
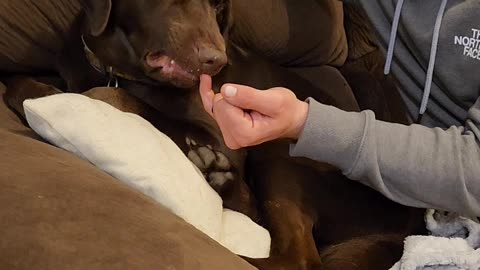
{"type": "Point", "coordinates": [456, 81]}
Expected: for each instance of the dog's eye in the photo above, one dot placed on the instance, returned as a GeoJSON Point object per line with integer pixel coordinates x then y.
{"type": "Point", "coordinates": [218, 5]}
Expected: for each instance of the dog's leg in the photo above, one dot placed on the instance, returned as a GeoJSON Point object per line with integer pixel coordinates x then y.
{"type": "Point", "coordinates": [120, 99]}
{"type": "Point", "coordinates": [278, 186]}
{"type": "Point", "coordinates": [293, 245]}
{"type": "Point", "coordinates": [21, 88]}
{"type": "Point", "coordinates": [372, 252]}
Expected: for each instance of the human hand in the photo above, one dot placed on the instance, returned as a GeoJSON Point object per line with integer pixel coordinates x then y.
{"type": "Point", "coordinates": [248, 116]}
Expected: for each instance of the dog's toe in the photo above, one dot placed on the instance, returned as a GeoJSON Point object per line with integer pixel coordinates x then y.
{"type": "Point", "coordinates": [219, 179]}
{"type": "Point", "coordinates": [207, 155]}
{"type": "Point", "coordinates": [222, 162]}
{"type": "Point", "coordinates": [206, 158]}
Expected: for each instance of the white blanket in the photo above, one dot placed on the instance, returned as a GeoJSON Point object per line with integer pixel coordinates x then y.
{"type": "Point", "coordinates": [452, 245]}
{"type": "Point", "coordinates": [133, 151]}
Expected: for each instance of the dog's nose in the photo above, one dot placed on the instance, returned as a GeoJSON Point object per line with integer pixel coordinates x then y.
{"type": "Point", "coordinates": [212, 60]}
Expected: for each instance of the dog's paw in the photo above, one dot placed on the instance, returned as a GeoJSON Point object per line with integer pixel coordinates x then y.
{"type": "Point", "coordinates": [214, 165]}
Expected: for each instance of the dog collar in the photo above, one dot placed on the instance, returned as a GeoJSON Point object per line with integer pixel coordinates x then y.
{"type": "Point", "coordinates": [110, 72]}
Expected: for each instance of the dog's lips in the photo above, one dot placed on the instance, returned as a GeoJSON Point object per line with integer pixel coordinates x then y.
{"type": "Point", "coordinates": [169, 68]}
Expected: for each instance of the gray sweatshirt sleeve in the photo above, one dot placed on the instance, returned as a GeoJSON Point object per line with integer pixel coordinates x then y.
{"type": "Point", "coordinates": [413, 165]}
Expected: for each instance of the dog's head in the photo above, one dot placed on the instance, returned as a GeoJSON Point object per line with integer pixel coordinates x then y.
{"type": "Point", "coordinates": [171, 41]}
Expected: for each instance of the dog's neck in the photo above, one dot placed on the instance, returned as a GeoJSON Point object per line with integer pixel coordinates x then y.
{"type": "Point", "coordinates": [109, 71]}
{"type": "Point", "coordinates": [167, 100]}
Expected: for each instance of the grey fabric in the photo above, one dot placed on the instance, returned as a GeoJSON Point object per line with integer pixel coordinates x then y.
{"type": "Point", "coordinates": [433, 165]}
{"type": "Point", "coordinates": [440, 268]}
{"type": "Point", "coordinates": [456, 85]}
{"type": "Point", "coordinates": [433, 51]}
{"type": "Point", "coordinates": [413, 165]}
{"type": "Point", "coordinates": [452, 244]}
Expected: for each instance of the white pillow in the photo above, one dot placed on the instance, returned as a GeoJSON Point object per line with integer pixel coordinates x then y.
{"type": "Point", "coordinates": [133, 151]}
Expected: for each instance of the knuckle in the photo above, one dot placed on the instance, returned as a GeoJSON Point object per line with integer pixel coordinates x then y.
{"type": "Point", "coordinates": [231, 145]}
{"type": "Point", "coordinates": [285, 99]}
{"type": "Point", "coordinates": [245, 140]}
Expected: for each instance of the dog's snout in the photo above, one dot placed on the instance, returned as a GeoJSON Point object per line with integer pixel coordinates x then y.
{"type": "Point", "coordinates": [212, 60]}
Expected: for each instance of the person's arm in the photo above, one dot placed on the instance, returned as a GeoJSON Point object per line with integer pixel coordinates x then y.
{"type": "Point", "coordinates": [413, 165]}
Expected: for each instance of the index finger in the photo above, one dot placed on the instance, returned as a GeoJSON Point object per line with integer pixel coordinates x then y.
{"type": "Point", "coordinates": [206, 93]}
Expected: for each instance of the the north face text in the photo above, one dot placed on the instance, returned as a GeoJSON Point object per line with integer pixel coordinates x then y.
{"type": "Point", "coordinates": [471, 44]}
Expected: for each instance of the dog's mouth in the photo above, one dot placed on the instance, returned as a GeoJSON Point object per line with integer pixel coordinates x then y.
{"type": "Point", "coordinates": [171, 70]}
{"type": "Point", "coordinates": [180, 72]}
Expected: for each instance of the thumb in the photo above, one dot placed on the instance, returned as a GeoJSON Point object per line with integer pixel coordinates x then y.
{"type": "Point", "coordinates": [249, 98]}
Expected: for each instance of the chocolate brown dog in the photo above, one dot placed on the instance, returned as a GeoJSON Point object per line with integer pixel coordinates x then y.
{"type": "Point", "coordinates": [318, 219]}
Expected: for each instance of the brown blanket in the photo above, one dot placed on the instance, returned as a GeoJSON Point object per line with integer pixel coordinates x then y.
{"type": "Point", "coordinates": [60, 212]}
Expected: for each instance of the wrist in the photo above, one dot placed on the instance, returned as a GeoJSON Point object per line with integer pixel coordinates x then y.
{"type": "Point", "coordinates": [300, 115]}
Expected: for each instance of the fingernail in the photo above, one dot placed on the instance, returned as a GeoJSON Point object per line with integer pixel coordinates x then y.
{"type": "Point", "coordinates": [230, 91]}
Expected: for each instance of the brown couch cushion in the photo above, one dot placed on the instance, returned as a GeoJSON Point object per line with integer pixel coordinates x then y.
{"type": "Point", "coordinates": [60, 212]}
{"type": "Point", "coordinates": [282, 31]}
{"type": "Point", "coordinates": [32, 32]}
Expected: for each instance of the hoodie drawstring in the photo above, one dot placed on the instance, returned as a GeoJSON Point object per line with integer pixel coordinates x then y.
{"type": "Point", "coordinates": [393, 37]}
{"type": "Point", "coordinates": [433, 51]}
{"type": "Point", "coordinates": [433, 55]}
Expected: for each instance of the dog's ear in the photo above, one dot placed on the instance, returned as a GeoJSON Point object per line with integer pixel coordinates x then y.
{"type": "Point", "coordinates": [97, 13]}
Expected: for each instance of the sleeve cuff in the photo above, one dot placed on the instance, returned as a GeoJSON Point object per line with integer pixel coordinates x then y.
{"type": "Point", "coordinates": [331, 135]}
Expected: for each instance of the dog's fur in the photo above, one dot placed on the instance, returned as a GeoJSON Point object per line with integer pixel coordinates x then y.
{"type": "Point", "coordinates": [318, 219]}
